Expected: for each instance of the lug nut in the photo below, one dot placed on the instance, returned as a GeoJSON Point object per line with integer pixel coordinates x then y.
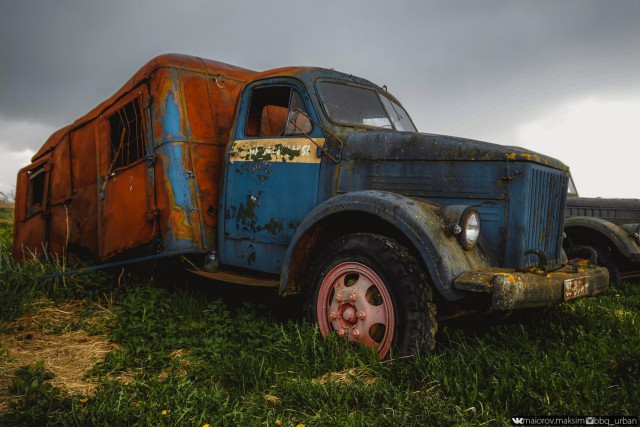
{"type": "Point", "coordinates": [352, 297]}
{"type": "Point", "coordinates": [341, 332]}
{"type": "Point", "coordinates": [339, 297]}
{"type": "Point", "coordinates": [361, 315]}
{"type": "Point", "coordinates": [355, 333]}
{"type": "Point", "coordinates": [333, 315]}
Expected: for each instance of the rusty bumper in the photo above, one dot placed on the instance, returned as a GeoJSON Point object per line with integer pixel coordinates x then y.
{"type": "Point", "coordinates": [511, 289]}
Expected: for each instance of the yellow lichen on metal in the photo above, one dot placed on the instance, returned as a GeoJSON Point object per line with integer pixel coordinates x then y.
{"type": "Point", "coordinates": [293, 150]}
{"type": "Point", "coordinates": [509, 278]}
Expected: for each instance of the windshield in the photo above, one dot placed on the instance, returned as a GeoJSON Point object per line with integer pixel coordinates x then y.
{"type": "Point", "coordinates": [572, 191]}
{"type": "Point", "coordinates": [354, 105]}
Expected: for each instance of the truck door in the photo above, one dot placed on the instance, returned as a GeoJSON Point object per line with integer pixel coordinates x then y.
{"type": "Point", "coordinates": [271, 178]}
{"type": "Point", "coordinates": [126, 194]}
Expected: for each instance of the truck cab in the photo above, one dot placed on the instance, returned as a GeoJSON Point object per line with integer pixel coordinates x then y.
{"type": "Point", "coordinates": [318, 183]}
{"type": "Point", "coordinates": [327, 182]}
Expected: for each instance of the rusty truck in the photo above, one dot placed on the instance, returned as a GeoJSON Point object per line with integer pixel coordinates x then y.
{"type": "Point", "coordinates": [610, 227]}
{"type": "Point", "coordinates": [309, 180]}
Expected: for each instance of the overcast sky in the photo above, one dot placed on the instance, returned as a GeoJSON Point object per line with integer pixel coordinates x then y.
{"type": "Point", "coordinates": [560, 77]}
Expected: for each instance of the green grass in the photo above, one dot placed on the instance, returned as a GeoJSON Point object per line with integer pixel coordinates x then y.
{"type": "Point", "coordinates": [186, 358]}
{"type": "Point", "coordinates": [6, 224]}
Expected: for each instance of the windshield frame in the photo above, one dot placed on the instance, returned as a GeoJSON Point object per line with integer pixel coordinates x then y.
{"type": "Point", "coordinates": [572, 186]}
{"type": "Point", "coordinates": [378, 91]}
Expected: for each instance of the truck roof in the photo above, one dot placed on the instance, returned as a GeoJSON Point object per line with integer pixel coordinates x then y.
{"type": "Point", "coordinates": [171, 60]}
{"type": "Point", "coordinates": [309, 74]}
{"type": "Point", "coordinates": [202, 65]}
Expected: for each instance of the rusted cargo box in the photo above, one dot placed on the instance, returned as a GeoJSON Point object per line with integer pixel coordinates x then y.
{"type": "Point", "coordinates": [94, 192]}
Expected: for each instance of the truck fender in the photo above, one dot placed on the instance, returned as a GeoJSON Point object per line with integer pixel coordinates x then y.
{"type": "Point", "coordinates": [613, 232]}
{"type": "Point", "coordinates": [420, 222]}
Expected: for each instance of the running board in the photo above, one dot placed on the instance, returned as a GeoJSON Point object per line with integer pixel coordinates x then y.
{"type": "Point", "coordinates": [113, 264]}
{"type": "Point", "coordinates": [237, 278]}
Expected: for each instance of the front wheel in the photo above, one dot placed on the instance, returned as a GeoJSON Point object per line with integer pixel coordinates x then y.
{"type": "Point", "coordinates": [369, 289]}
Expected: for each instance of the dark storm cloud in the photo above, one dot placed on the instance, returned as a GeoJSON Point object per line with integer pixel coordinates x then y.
{"type": "Point", "coordinates": [464, 67]}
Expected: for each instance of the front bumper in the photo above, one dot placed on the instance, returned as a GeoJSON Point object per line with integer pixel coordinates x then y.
{"type": "Point", "coordinates": [511, 289]}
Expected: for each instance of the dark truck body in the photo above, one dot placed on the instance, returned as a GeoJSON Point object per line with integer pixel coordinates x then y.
{"type": "Point", "coordinates": [611, 227]}
{"type": "Point", "coordinates": [281, 179]}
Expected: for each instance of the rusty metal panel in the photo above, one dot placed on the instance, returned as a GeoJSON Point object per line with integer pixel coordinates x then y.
{"type": "Point", "coordinates": [175, 183]}
{"type": "Point", "coordinates": [198, 100]}
{"type": "Point", "coordinates": [22, 183]}
{"type": "Point", "coordinates": [31, 227]}
{"type": "Point", "coordinates": [29, 238]}
{"type": "Point", "coordinates": [124, 212]}
{"type": "Point", "coordinates": [20, 233]}
{"type": "Point", "coordinates": [60, 173]}
{"type": "Point", "coordinates": [83, 156]}
{"type": "Point", "coordinates": [124, 205]}
{"type": "Point", "coordinates": [224, 95]}
{"type": "Point", "coordinates": [168, 109]}
{"type": "Point", "coordinates": [59, 229]}
{"type": "Point", "coordinates": [83, 223]}
{"type": "Point", "coordinates": [208, 161]}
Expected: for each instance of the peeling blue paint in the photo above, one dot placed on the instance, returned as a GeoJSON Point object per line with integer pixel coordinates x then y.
{"type": "Point", "coordinates": [174, 167]}
{"type": "Point", "coordinates": [180, 188]}
{"type": "Point", "coordinates": [258, 208]}
{"type": "Point", "coordinates": [171, 119]}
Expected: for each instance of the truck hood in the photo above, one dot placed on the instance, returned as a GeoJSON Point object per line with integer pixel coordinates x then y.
{"type": "Point", "coordinates": [393, 145]}
{"type": "Point", "coordinates": [617, 211]}
{"type": "Point", "coordinates": [600, 203]}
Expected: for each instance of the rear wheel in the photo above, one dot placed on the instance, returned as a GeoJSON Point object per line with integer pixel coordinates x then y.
{"type": "Point", "coordinates": [606, 259]}
{"type": "Point", "coordinates": [369, 289]}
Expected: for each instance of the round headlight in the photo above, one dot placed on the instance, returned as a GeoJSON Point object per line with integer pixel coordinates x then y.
{"type": "Point", "coordinates": [470, 224]}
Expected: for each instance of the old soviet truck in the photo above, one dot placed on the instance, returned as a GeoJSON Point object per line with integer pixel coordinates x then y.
{"type": "Point", "coordinates": [610, 226]}
{"type": "Point", "coordinates": [310, 180]}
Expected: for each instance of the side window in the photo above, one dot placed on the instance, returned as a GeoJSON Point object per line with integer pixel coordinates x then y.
{"type": "Point", "coordinates": [277, 111]}
{"type": "Point", "coordinates": [37, 181]}
{"type": "Point", "coordinates": [127, 135]}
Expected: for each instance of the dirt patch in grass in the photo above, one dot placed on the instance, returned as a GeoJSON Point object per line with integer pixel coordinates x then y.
{"type": "Point", "coordinates": [50, 334]}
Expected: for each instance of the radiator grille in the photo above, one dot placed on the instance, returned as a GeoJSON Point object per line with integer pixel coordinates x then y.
{"type": "Point", "coordinates": [544, 220]}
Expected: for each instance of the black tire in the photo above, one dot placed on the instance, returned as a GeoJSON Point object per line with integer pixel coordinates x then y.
{"type": "Point", "coordinates": [604, 259]}
{"type": "Point", "coordinates": [411, 322]}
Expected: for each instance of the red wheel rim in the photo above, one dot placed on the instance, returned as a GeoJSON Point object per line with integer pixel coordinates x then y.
{"type": "Point", "coordinates": [353, 301]}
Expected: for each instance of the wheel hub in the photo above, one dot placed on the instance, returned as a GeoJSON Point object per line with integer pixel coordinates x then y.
{"type": "Point", "coordinates": [354, 302]}
{"type": "Point", "coordinates": [348, 314]}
